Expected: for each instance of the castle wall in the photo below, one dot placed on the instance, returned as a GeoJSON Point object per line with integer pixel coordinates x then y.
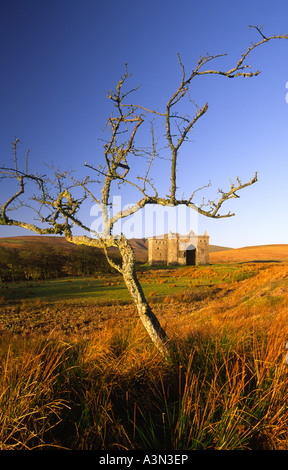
{"type": "Point", "coordinates": [182, 258]}
{"type": "Point", "coordinates": [186, 245]}
{"type": "Point", "coordinates": [157, 251]}
{"type": "Point", "coordinates": [173, 249]}
{"type": "Point", "coordinates": [203, 250]}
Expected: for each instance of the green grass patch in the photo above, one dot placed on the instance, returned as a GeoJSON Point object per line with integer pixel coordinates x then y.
{"type": "Point", "coordinates": [156, 284]}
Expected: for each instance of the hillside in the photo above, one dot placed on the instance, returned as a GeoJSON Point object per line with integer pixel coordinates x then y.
{"type": "Point", "coordinates": [218, 254]}
{"type": "Point", "coordinates": [29, 242]}
{"type": "Point", "coordinates": [215, 248]}
{"type": "Point", "coordinates": [140, 245]}
{"type": "Point", "coordinates": [259, 253]}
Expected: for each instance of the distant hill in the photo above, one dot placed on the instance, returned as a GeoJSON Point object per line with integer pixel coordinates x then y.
{"type": "Point", "coordinates": [258, 253]}
{"type": "Point", "coordinates": [218, 254]}
{"type": "Point", "coordinates": [29, 242]}
{"type": "Point", "coordinates": [140, 245]}
{"type": "Point", "coordinates": [36, 257]}
{"type": "Point", "coordinates": [215, 248]}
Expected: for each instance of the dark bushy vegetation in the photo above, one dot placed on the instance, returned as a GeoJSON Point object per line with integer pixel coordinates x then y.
{"type": "Point", "coordinates": [46, 262]}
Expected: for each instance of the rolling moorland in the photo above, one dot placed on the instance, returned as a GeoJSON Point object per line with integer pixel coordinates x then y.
{"type": "Point", "coordinates": [77, 370]}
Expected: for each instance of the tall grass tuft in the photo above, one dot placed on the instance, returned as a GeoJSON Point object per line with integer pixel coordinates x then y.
{"type": "Point", "coordinates": [28, 407]}
{"type": "Point", "coordinates": [224, 387]}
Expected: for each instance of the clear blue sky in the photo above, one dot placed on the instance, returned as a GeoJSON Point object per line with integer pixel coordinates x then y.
{"type": "Point", "coordinates": [60, 57]}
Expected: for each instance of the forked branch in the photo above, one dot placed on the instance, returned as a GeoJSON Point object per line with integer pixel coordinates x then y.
{"type": "Point", "coordinates": [58, 206]}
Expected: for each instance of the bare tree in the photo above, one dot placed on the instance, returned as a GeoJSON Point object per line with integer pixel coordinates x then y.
{"type": "Point", "coordinates": [57, 201]}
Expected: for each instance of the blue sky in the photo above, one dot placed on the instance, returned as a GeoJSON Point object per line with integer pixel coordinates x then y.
{"type": "Point", "coordinates": [60, 57]}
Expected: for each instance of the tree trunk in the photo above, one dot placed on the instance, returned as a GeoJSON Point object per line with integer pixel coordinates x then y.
{"type": "Point", "coordinates": [128, 271]}
{"type": "Point", "coordinates": [148, 318]}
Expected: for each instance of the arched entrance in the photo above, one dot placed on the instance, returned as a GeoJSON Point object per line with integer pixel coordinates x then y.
{"type": "Point", "coordinates": [191, 255]}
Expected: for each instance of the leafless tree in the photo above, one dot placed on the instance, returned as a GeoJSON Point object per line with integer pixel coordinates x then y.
{"type": "Point", "coordinates": [57, 201]}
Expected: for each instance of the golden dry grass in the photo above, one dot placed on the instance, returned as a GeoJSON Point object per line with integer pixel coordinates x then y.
{"type": "Point", "coordinates": [252, 253]}
{"type": "Point", "coordinates": [106, 387]}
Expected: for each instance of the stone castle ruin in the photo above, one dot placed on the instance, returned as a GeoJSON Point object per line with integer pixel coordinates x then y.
{"type": "Point", "coordinates": [189, 250]}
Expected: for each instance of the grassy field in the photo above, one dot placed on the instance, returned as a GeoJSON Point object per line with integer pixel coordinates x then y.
{"type": "Point", "coordinates": [32, 306]}
{"type": "Point", "coordinates": [112, 286]}
{"type": "Point", "coordinates": [77, 370]}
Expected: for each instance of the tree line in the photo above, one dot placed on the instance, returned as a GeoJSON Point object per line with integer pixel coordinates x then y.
{"type": "Point", "coordinates": [48, 262]}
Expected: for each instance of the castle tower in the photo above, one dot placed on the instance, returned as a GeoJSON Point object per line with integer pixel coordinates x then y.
{"type": "Point", "coordinates": [157, 251]}
{"type": "Point", "coordinates": [203, 250]}
{"type": "Point", "coordinates": [173, 249]}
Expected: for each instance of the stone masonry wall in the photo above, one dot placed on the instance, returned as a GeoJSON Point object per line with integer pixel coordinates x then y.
{"type": "Point", "coordinates": [157, 251]}
{"type": "Point", "coordinates": [173, 249]}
